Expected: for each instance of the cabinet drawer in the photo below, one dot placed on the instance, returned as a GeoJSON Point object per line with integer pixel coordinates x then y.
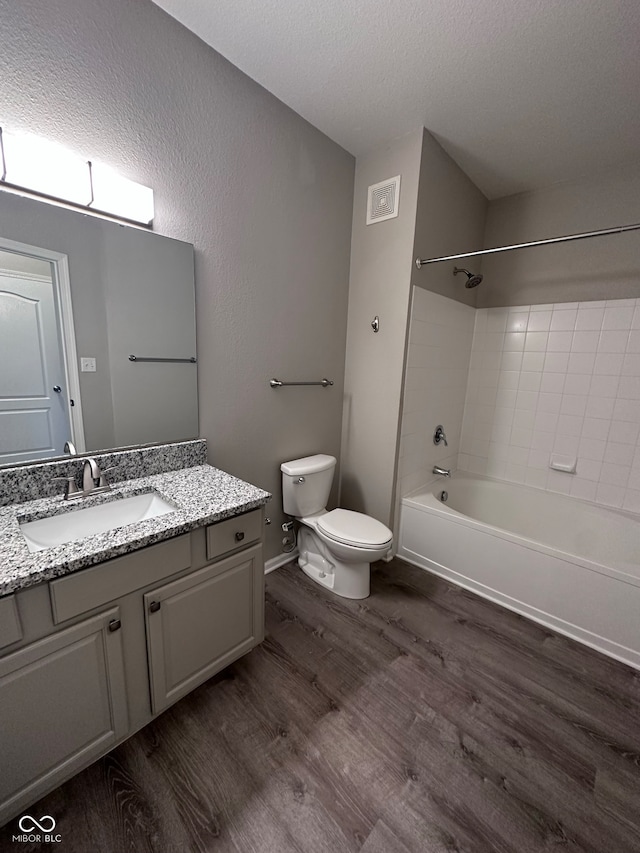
{"type": "Point", "coordinates": [10, 630]}
{"type": "Point", "coordinates": [233, 533]}
{"type": "Point", "coordinates": [82, 591]}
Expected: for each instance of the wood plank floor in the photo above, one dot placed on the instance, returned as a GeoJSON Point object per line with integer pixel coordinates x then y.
{"type": "Point", "coordinates": [422, 720]}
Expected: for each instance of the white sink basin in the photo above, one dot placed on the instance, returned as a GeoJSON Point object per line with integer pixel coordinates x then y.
{"type": "Point", "coordinates": [78, 524]}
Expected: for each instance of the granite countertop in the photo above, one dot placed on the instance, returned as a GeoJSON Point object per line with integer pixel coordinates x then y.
{"type": "Point", "coordinates": [202, 495]}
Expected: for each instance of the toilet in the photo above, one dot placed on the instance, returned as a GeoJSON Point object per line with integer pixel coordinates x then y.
{"type": "Point", "coordinates": [336, 548]}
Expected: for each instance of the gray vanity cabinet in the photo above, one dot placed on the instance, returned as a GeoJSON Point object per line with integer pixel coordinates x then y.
{"type": "Point", "coordinates": [62, 704]}
{"type": "Point", "coordinates": [198, 624]}
{"type": "Point", "coordinates": [91, 657]}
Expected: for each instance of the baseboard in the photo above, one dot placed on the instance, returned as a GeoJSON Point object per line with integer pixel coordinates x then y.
{"type": "Point", "coordinates": [279, 561]}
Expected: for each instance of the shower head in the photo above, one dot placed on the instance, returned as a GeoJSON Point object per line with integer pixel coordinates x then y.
{"type": "Point", "coordinates": [472, 280]}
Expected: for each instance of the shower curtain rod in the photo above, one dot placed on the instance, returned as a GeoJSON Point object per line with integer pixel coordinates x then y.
{"type": "Point", "coordinates": [620, 229]}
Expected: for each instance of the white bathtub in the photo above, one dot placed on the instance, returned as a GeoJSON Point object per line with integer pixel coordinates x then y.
{"type": "Point", "coordinates": [565, 563]}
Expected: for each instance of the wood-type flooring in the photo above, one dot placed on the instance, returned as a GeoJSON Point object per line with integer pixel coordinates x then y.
{"type": "Point", "coordinates": [421, 720]}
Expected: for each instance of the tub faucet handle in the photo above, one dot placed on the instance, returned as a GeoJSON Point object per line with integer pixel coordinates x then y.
{"type": "Point", "coordinates": [439, 436]}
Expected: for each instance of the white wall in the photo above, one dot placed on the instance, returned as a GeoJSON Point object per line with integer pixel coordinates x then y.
{"type": "Point", "coordinates": [265, 198]}
{"type": "Point", "coordinates": [561, 378]}
{"type": "Point", "coordinates": [435, 385]}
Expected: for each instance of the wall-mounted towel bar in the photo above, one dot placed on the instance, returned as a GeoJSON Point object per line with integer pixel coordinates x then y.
{"type": "Point", "coordinates": [191, 360]}
{"type": "Point", "coordinates": [277, 383]}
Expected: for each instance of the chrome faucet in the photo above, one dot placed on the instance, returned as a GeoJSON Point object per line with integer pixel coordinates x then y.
{"type": "Point", "coordinates": [94, 481]}
{"type": "Point", "coordinates": [441, 472]}
{"type": "Point", "coordinates": [91, 475]}
{"type": "Point", "coordinates": [69, 447]}
{"type": "Point", "coordinates": [439, 436]}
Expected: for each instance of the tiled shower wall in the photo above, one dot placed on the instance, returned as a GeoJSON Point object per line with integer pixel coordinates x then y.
{"type": "Point", "coordinates": [438, 356]}
{"type": "Point", "coordinates": [557, 379]}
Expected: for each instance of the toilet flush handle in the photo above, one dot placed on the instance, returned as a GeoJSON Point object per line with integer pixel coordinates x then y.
{"type": "Point", "coordinates": [299, 480]}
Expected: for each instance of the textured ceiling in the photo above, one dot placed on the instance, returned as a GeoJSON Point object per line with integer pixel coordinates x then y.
{"type": "Point", "coordinates": [522, 93]}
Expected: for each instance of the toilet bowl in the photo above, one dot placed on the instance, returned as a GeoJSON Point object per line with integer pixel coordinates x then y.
{"type": "Point", "coordinates": [336, 547]}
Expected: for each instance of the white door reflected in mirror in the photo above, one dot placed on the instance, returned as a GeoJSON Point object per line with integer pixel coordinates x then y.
{"type": "Point", "coordinates": [34, 403]}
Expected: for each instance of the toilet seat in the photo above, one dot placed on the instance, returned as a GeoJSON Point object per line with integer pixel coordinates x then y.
{"type": "Point", "coordinates": [354, 528]}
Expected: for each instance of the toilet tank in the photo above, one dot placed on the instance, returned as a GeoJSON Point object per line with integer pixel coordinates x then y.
{"type": "Point", "coordinates": [310, 496]}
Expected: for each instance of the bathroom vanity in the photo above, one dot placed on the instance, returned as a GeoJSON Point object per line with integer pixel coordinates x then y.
{"type": "Point", "coordinates": [100, 635]}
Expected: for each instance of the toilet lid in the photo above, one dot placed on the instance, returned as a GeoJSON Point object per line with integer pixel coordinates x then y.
{"type": "Point", "coordinates": [354, 528]}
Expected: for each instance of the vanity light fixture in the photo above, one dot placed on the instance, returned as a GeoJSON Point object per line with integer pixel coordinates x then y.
{"type": "Point", "coordinates": [119, 196]}
{"type": "Point", "coordinates": [47, 169]}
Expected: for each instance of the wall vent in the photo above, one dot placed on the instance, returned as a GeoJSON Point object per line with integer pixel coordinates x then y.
{"type": "Point", "coordinates": [383, 200]}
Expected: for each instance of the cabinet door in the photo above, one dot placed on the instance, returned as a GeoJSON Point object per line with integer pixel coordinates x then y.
{"type": "Point", "coordinates": [199, 624]}
{"type": "Point", "coordinates": [62, 704]}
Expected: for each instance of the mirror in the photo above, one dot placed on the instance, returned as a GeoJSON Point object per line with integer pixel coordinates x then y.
{"type": "Point", "coordinates": [79, 295]}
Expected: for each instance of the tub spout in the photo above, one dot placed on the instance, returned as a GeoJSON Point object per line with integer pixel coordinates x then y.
{"type": "Point", "coordinates": [442, 472]}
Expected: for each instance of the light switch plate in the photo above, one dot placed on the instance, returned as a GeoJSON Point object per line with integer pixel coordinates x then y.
{"type": "Point", "coordinates": [88, 365]}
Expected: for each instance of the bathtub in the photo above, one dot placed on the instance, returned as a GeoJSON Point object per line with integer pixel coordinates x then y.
{"type": "Point", "coordinates": [563, 562]}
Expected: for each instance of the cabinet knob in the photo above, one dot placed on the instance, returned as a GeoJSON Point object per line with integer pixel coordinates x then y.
{"type": "Point", "coordinates": [115, 625]}
{"type": "Point", "coordinates": [239, 536]}
{"type": "Point", "coordinates": [154, 606]}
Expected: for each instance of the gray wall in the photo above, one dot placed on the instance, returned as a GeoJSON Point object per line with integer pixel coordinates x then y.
{"type": "Point", "coordinates": [265, 198]}
{"type": "Point", "coordinates": [149, 297]}
{"type": "Point", "coordinates": [441, 211]}
{"type": "Point", "coordinates": [450, 219]}
{"type": "Point", "coordinates": [586, 270]}
{"type": "Point", "coordinates": [380, 284]}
